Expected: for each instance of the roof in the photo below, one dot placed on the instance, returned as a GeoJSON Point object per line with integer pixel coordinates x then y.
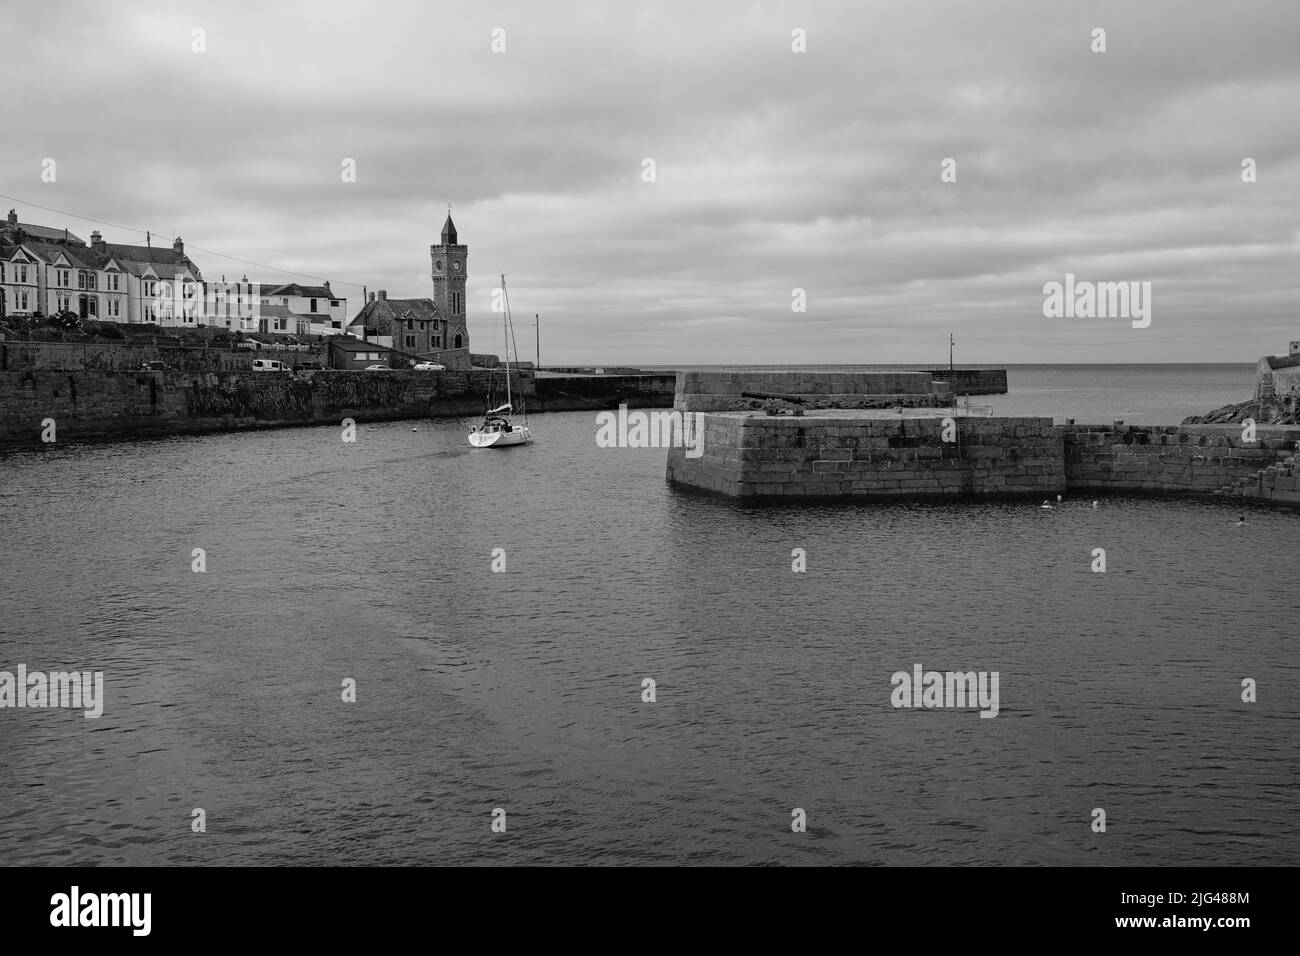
{"type": "Point", "coordinates": [165, 260]}
{"type": "Point", "coordinates": [383, 315]}
{"type": "Point", "coordinates": [43, 232]}
{"type": "Point", "coordinates": [276, 312]}
{"type": "Point", "coordinates": [357, 345]}
{"type": "Point", "coordinates": [80, 256]}
{"type": "Point", "coordinates": [449, 232]}
{"type": "Point", "coordinates": [306, 291]}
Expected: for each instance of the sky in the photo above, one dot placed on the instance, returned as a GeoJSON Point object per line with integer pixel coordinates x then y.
{"type": "Point", "coordinates": [773, 170]}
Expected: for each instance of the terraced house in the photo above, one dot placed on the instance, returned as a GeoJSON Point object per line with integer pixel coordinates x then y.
{"type": "Point", "coordinates": [45, 271]}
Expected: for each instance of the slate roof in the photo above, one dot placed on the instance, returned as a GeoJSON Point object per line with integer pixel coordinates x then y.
{"type": "Point", "coordinates": [383, 315]}
{"type": "Point", "coordinates": [306, 291]}
{"type": "Point", "coordinates": [357, 345]}
{"type": "Point", "coordinates": [45, 233]}
{"type": "Point", "coordinates": [166, 262]}
{"type": "Point", "coordinates": [80, 256]}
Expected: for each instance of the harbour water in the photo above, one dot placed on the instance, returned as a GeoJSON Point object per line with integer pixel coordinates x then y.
{"type": "Point", "coordinates": [523, 689]}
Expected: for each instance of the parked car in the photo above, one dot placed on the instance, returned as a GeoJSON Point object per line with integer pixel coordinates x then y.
{"type": "Point", "coordinates": [378, 368]}
{"type": "Point", "coordinates": [430, 367]}
{"type": "Point", "coordinates": [269, 365]}
{"type": "Point", "coordinates": [156, 367]}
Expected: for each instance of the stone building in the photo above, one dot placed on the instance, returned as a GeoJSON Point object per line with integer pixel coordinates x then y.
{"type": "Point", "coordinates": [411, 325]}
{"type": "Point", "coordinates": [450, 269]}
{"type": "Point", "coordinates": [435, 328]}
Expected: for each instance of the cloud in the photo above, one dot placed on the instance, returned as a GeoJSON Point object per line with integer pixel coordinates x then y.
{"type": "Point", "coordinates": [776, 170]}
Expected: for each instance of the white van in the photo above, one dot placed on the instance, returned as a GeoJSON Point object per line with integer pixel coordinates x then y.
{"type": "Point", "coordinates": [269, 365]}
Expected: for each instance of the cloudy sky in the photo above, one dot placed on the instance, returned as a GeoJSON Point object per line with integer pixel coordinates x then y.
{"type": "Point", "coordinates": [774, 170]}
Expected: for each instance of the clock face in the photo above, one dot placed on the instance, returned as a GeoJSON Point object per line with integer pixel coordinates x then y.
{"type": "Point", "coordinates": [456, 266]}
{"type": "Point", "coordinates": [438, 265]}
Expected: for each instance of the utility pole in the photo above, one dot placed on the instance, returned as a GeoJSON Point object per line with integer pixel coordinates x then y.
{"type": "Point", "coordinates": [537, 324]}
{"type": "Point", "coordinates": [951, 343]}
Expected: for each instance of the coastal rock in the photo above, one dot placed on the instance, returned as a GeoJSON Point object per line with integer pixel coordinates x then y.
{"type": "Point", "coordinates": [1276, 412]}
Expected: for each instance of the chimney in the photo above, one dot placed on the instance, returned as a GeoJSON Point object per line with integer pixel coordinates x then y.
{"type": "Point", "coordinates": [327, 286]}
{"type": "Point", "coordinates": [13, 218]}
{"type": "Point", "coordinates": [179, 245]}
{"type": "Point", "coordinates": [383, 294]}
{"type": "Point", "coordinates": [97, 242]}
{"type": "Point", "coordinates": [372, 297]}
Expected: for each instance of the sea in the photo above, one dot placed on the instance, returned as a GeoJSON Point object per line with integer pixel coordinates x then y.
{"type": "Point", "coordinates": [404, 650]}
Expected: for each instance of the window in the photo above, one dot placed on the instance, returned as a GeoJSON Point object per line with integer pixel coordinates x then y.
{"type": "Point", "coordinates": [22, 301]}
{"type": "Point", "coordinates": [113, 282]}
{"type": "Point", "coordinates": [313, 305]}
{"type": "Point", "coordinates": [334, 303]}
{"type": "Point", "coordinates": [410, 341]}
{"type": "Point", "coordinates": [22, 274]}
{"type": "Point", "coordinates": [2, 272]}
{"type": "Point", "coordinates": [65, 280]}
{"type": "Point", "coordinates": [410, 325]}
{"type": "Point", "coordinates": [437, 341]}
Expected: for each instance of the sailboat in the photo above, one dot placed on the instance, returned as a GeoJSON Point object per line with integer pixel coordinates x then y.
{"type": "Point", "coordinates": [497, 430]}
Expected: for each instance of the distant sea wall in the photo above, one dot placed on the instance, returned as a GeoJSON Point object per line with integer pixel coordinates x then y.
{"type": "Point", "coordinates": [707, 391]}
{"type": "Point", "coordinates": [973, 381]}
{"type": "Point", "coordinates": [581, 392]}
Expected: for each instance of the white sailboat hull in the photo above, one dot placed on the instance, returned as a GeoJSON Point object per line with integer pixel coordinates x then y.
{"type": "Point", "coordinates": [518, 435]}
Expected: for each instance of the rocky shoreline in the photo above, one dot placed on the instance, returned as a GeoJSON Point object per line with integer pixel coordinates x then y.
{"type": "Point", "coordinates": [1263, 412]}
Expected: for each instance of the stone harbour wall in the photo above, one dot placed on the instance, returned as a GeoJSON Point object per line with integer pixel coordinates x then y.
{"type": "Point", "coordinates": [1180, 459]}
{"type": "Point", "coordinates": [751, 455]}
{"type": "Point", "coordinates": [783, 456]}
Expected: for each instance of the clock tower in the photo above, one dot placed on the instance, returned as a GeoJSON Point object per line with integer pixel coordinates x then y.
{"type": "Point", "coordinates": [449, 267]}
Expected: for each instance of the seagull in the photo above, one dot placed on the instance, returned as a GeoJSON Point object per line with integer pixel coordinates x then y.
{"type": "Point", "coordinates": [1058, 499]}
{"type": "Point", "coordinates": [1045, 506]}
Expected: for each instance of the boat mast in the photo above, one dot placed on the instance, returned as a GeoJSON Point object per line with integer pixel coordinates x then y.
{"type": "Point", "coordinates": [505, 328]}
